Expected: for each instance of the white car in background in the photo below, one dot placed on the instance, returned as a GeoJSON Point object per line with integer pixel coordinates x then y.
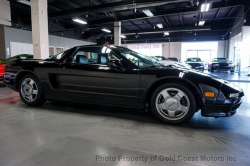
{"type": "Point", "coordinates": [164, 61]}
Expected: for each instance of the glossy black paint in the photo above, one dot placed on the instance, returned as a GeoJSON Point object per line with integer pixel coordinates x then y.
{"type": "Point", "coordinates": [129, 87]}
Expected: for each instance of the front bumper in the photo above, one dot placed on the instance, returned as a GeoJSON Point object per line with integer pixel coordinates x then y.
{"type": "Point", "coordinates": [198, 67]}
{"type": "Point", "coordinates": [223, 110]}
{"type": "Point", "coordinates": [223, 68]}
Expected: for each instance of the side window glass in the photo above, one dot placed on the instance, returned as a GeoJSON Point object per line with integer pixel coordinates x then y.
{"type": "Point", "coordinates": [80, 57]}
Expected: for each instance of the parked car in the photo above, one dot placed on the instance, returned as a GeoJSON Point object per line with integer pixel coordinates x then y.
{"type": "Point", "coordinates": [166, 62]}
{"type": "Point", "coordinates": [128, 80]}
{"type": "Point", "coordinates": [195, 63]}
{"type": "Point", "coordinates": [173, 59]}
{"type": "Point", "coordinates": [221, 64]}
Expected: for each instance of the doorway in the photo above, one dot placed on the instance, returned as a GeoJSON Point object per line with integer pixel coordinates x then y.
{"type": "Point", "coordinates": [51, 51]}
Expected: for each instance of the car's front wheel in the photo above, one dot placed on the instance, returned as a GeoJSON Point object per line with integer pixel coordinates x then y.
{"type": "Point", "coordinates": [30, 91]}
{"type": "Point", "coordinates": [173, 103]}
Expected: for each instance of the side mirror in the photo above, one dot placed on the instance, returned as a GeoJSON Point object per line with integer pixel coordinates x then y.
{"type": "Point", "coordinates": [115, 63]}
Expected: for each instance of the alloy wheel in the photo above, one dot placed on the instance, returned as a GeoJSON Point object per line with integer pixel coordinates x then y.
{"type": "Point", "coordinates": [29, 90]}
{"type": "Point", "coordinates": [172, 104]}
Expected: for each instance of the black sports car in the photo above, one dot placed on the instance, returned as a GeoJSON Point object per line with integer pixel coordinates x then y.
{"type": "Point", "coordinates": [119, 77]}
{"type": "Point", "coordinates": [221, 64]}
{"type": "Point", "coordinates": [196, 63]}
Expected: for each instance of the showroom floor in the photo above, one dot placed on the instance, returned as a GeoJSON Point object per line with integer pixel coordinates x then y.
{"type": "Point", "coordinates": [58, 134]}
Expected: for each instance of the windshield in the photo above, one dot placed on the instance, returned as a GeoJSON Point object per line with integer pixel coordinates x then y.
{"type": "Point", "coordinates": [160, 58]}
{"type": "Point", "coordinates": [142, 61]}
{"type": "Point", "coordinates": [194, 59]}
{"type": "Point", "coordinates": [57, 56]}
{"type": "Point", "coordinates": [220, 60]}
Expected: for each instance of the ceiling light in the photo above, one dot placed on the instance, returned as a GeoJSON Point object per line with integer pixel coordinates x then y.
{"type": "Point", "coordinates": [106, 30]}
{"type": "Point", "coordinates": [159, 25]}
{"type": "Point", "coordinates": [148, 13]}
{"type": "Point", "coordinates": [205, 7]}
{"type": "Point", "coordinates": [122, 36]}
{"type": "Point", "coordinates": [24, 2]}
{"type": "Point", "coordinates": [201, 23]}
{"type": "Point", "coordinates": [166, 33]}
{"type": "Point", "coordinates": [79, 21]}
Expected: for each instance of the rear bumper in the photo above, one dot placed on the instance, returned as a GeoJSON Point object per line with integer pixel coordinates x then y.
{"type": "Point", "coordinates": [225, 110]}
{"type": "Point", "coordinates": [10, 81]}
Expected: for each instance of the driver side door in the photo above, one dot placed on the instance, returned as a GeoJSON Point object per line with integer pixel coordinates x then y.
{"type": "Point", "coordinates": [88, 79]}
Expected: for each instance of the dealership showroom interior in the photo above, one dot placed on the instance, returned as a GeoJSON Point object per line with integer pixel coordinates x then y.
{"type": "Point", "coordinates": [124, 82]}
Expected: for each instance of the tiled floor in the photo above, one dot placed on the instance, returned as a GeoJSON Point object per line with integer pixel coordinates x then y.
{"type": "Point", "coordinates": [233, 77]}
{"type": "Point", "coordinates": [59, 134]}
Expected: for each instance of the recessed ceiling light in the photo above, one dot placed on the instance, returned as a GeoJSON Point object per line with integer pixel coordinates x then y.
{"type": "Point", "coordinates": [79, 21]}
{"type": "Point", "coordinates": [122, 36]}
{"type": "Point", "coordinates": [24, 2]}
{"type": "Point", "coordinates": [106, 30]}
{"type": "Point", "coordinates": [159, 25]}
{"type": "Point", "coordinates": [205, 7]}
{"type": "Point", "coordinates": [166, 33]}
{"type": "Point", "coordinates": [148, 13]}
{"type": "Point", "coordinates": [201, 23]}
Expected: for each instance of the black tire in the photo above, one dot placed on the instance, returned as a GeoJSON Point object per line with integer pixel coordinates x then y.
{"type": "Point", "coordinates": [40, 96]}
{"type": "Point", "coordinates": [189, 94]}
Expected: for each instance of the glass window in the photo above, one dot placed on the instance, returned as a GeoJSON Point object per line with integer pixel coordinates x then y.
{"type": "Point", "coordinates": [94, 55]}
{"type": "Point", "coordinates": [160, 58]}
{"type": "Point", "coordinates": [220, 60]}
{"type": "Point", "coordinates": [138, 59]}
{"type": "Point", "coordinates": [194, 59]}
{"type": "Point", "coordinates": [57, 56]}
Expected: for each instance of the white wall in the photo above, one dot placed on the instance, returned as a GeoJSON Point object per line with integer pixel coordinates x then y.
{"type": "Point", "coordinates": [175, 49]}
{"type": "Point", "coordinates": [170, 49]}
{"type": "Point", "coordinates": [222, 49]}
{"type": "Point", "coordinates": [5, 18]}
{"type": "Point", "coordinates": [245, 55]}
{"type": "Point", "coordinates": [23, 36]}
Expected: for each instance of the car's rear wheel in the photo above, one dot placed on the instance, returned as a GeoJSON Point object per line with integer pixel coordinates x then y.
{"type": "Point", "coordinates": [173, 103]}
{"type": "Point", "coordinates": [30, 91]}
